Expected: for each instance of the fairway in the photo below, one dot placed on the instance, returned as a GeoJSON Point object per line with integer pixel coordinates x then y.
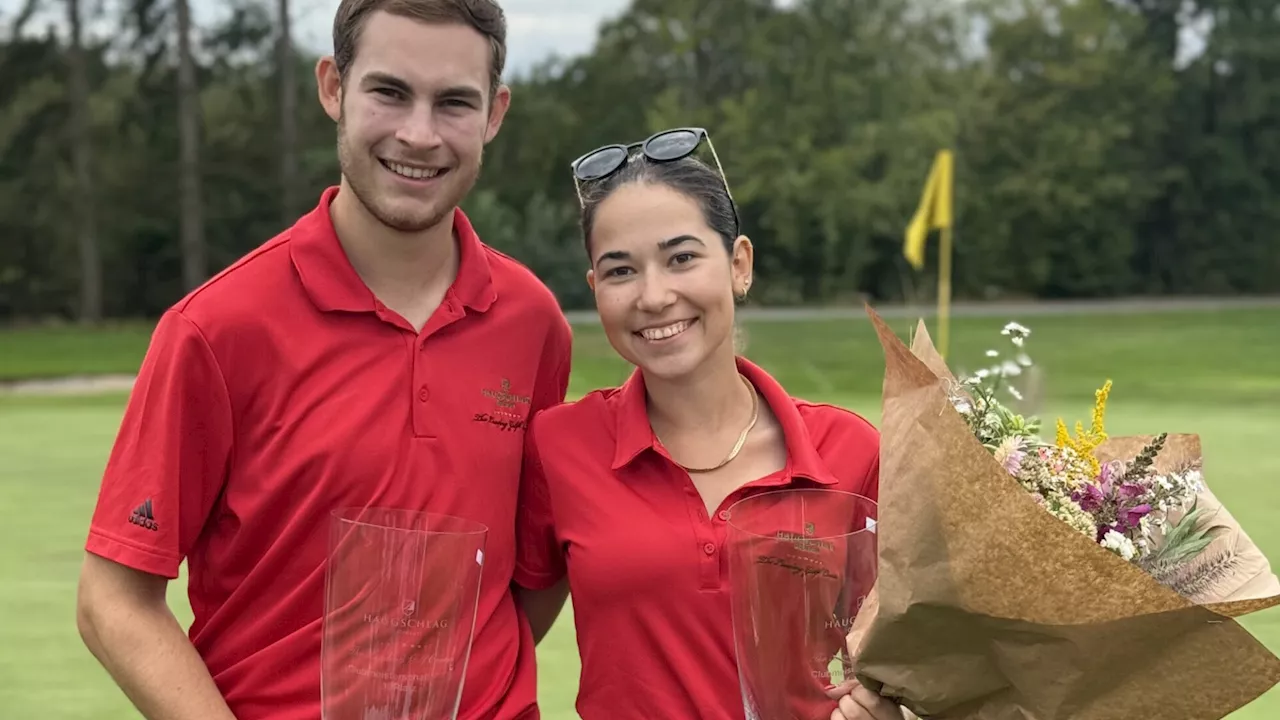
{"type": "Point", "coordinates": [1211, 373]}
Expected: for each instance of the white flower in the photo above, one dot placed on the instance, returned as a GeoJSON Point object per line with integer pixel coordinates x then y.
{"type": "Point", "coordinates": [1010, 369]}
{"type": "Point", "coordinates": [1016, 333]}
{"type": "Point", "coordinates": [1015, 330]}
{"type": "Point", "coordinates": [1119, 544]}
{"type": "Point", "coordinates": [1014, 392]}
{"type": "Point", "coordinates": [993, 353]}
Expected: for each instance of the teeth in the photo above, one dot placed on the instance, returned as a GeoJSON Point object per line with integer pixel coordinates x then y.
{"type": "Point", "coordinates": [411, 172]}
{"type": "Point", "coordinates": [663, 333]}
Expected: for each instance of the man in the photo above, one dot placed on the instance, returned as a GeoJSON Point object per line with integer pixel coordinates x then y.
{"type": "Point", "coordinates": [376, 354]}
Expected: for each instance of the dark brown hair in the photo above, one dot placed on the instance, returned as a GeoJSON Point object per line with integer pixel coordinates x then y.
{"type": "Point", "coordinates": [485, 16]}
{"type": "Point", "coordinates": [688, 176]}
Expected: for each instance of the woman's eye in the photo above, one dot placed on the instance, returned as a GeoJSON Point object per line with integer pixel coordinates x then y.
{"type": "Point", "coordinates": [615, 272]}
{"type": "Point", "coordinates": [683, 258]}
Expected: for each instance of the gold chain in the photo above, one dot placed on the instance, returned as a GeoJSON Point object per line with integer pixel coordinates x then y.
{"type": "Point", "coordinates": [742, 439]}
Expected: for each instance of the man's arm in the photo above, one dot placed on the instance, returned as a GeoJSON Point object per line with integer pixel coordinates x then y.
{"type": "Point", "coordinates": [126, 623]}
{"type": "Point", "coordinates": [542, 607]}
{"type": "Point", "coordinates": [165, 471]}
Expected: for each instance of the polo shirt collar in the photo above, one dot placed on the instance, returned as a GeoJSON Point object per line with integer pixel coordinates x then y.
{"type": "Point", "coordinates": [333, 284]}
{"type": "Point", "coordinates": [635, 435]}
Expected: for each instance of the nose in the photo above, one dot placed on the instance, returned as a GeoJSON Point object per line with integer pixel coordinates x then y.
{"type": "Point", "coordinates": [419, 127]}
{"type": "Point", "coordinates": [656, 293]}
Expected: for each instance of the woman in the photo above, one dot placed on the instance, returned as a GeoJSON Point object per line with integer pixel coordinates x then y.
{"type": "Point", "coordinates": [627, 489]}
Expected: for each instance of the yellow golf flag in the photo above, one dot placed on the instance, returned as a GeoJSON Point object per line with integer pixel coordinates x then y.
{"type": "Point", "coordinates": [934, 212]}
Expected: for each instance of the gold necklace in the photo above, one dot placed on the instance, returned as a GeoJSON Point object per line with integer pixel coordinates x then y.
{"type": "Point", "coordinates": [742, 438]}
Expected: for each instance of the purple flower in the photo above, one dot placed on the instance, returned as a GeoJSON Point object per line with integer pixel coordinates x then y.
{"type": "Point", "coordinates": [1130, 491]}
{"type": "Point", "coordinates": [1133, 516]}
{"type": "Point", "coordinates": [1090, 498]}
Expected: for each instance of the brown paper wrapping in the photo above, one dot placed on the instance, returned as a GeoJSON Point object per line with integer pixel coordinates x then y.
{"type": "Point", "coordinates": [989, 608]}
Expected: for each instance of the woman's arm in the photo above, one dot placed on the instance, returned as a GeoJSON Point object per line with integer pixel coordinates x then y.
{"type": "Point", "coordinates": [542, 607]}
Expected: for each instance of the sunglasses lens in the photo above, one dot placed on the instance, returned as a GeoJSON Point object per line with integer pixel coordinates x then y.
{"type": "Point", "coordinates": [672, 145]}
{"type": "Point", "coordinates": [600, 163]}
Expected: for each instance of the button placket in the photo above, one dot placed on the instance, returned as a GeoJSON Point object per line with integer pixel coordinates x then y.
{"type": "Point", "coordinates": [420, 395]}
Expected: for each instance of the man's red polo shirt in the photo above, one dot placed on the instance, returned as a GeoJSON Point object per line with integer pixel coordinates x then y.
{"type": "Point", "coordinates": [283, 389]}
{"type": "Point", "coordinates": [604, 503]}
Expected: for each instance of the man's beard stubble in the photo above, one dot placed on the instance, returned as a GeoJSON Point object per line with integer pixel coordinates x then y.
{"type": "Point", "coordinates": [368, 196]}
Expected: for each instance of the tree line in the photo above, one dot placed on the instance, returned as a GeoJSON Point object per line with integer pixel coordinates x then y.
{"type": "Point", "coordinates": [1103, 147]}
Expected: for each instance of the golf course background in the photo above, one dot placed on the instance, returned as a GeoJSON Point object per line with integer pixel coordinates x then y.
{"type": "Point", "coordinates": [1214, 372]}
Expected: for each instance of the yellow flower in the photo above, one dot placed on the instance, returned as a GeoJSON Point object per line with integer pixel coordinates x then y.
{"type": "Point", "coordinates": [1085, 442]}
{"type": "Point", "coordinates": [1100, 411]}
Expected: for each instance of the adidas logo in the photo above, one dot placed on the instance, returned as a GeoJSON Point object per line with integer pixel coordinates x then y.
{"type": "Point", "coordinates": [143, 517]}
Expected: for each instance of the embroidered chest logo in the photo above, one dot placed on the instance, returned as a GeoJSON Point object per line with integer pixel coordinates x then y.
{"type": "Point", "coordinates": [506, 413]}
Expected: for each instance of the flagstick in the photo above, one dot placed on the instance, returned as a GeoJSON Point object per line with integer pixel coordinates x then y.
{"type": "Point", "coordinates": [944, 292]}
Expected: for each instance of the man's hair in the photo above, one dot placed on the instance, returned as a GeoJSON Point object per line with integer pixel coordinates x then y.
{"type": "Point", "coordinates": [485, 16]}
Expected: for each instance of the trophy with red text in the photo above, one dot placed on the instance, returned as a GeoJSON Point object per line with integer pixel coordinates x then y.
{"type": "Point", "coordinates": [801, 563]}
{"type": "Point", "coordinates": [401, 589]}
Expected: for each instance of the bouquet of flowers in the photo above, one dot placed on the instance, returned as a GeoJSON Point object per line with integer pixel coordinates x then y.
{"type": "Point", "coordinates": [1127, 506]}
{"type": "Point", "coordinates": [1087, 577]}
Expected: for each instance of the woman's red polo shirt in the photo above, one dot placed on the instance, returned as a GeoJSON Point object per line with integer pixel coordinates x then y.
{"type": "Point", "coordinates": [604, 503]}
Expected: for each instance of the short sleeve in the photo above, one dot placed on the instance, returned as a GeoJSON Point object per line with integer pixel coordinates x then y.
{"type": "Point", "coordinates": [539, 558]}
{"type": "Point", "coordinates": [170, 456]}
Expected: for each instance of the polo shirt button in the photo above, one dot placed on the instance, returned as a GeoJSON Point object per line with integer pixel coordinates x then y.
{"type": "Point", "coordinates": [709, 549]}
{"type": "Point", "coordinates": [423, 394]}
{"type": "Point", "coordinates": [723, 514]}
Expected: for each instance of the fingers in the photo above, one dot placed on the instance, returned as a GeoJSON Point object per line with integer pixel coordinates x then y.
{"type": "Point", "coordinates": [838, 691]}
{"type": "Point", "coordinates": [862, 704]}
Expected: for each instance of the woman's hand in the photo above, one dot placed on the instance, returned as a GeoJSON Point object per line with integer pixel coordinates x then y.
{"type": "Point", "coordinates": [859, 703]}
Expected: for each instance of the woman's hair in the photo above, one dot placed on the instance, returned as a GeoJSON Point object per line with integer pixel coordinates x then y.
{"type": "Point", "coordinates": [687, 176]}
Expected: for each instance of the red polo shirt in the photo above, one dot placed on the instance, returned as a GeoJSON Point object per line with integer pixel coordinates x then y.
{"type": "Point", "coordinates": [604, 503]}
{"type": "Point", "coordinates": [283, 389]}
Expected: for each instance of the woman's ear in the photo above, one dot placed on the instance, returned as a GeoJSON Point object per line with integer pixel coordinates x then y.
{"type": "Point", "coordinates": [591, 279]}
{"type": "Point", "coordinates": [743, 266]}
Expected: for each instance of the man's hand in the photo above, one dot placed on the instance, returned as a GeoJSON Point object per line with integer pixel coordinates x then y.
{"type": "Point", "coordinates": [859, 703]}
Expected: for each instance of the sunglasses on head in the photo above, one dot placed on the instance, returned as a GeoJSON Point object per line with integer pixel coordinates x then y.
{"type": "Point", "coordinates": [664, 146]}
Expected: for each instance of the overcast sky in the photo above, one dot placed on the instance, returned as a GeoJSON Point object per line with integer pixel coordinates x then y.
{"type": "Point", "coordinates": [535, 27]}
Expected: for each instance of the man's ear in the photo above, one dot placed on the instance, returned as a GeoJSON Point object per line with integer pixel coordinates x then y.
{"type": "Point", "coordinates": [497, 112]}
{"type": "Point", "coordinates": [329, 87]}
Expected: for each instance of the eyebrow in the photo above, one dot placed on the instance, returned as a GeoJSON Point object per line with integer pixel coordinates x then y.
{"type": "Point", "coordinates": [381, 78]}
{"type": "Point", "coordinates": [664, 245]}
{"type": "Point", "coordinates": [679, 240]}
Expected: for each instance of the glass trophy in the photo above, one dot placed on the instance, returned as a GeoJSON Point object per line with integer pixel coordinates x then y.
{"type": "Point", "coordinates": [401, 589]}
{"type": "Point", "coordinates": [801, 564]}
